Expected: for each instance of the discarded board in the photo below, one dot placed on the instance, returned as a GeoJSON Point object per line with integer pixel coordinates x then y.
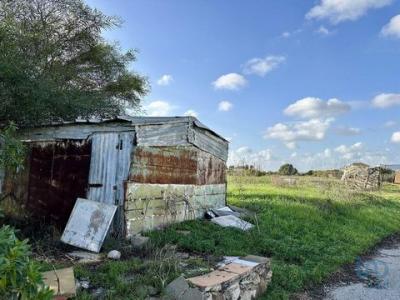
{"type": "Point", "coordinates": [61, 282]}
{"type": "Point", "coordinates": [88, 224]}
{"type": "Point", "coordinates": [232, 221]}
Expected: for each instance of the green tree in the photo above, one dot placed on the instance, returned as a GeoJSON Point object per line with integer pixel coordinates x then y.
{"type": "Point", "coordinates": [288, 170]}
{"type": "Point", "coordinates": [55, 65]}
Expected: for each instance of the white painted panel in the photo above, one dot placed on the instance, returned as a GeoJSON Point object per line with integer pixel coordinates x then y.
{"type": "Point", "coordinates": [88, 224]}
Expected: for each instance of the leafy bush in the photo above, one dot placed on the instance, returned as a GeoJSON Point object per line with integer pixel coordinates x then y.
{"type": "Point", "coordinates": [12, 150]}
{"type": "Point", "coordinates": [20, 277]}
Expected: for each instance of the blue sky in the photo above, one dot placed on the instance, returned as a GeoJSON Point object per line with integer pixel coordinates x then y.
{"type": "Point", "coordinates": [315, 83]}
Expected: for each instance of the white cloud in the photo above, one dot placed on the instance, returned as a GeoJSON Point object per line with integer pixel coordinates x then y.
{"type": "Point", "coordinates": [231, 81]}
{"type": "Point", "coordinates": [225, 106]}
{"type": "Point", "coordinates": [337, 11]}
{"type": "Point", "coordinates": [191, 113]}
{"type": "Point", "coordinates": [262, 66]}
{"type": "Point", "coordinates": [286, 34]}
{"type": "Point", "coordinates": [247, 156]}
{"type": "Point", "coordinates": [290, 134]}
{"type": "Point", "coordinates": [396, 137]}
{"type": "Point", "coordinates": [165, 80]}
{"type": "Point", "coordinates": [158, 108]}
{"type": "Point", "coordinates": [311, 107]}
{"type": "Point", "coordinates": [390, 124]}
{"type": "Point", "coordinates": [347, 131]}
{"type": "Point", "coordinates": [392, 29]}
{"type": "Point", "coordinates": [322, 30]}
{"type": "Point", "coordinates": [343, 149]}
{"type": "Point", "coordinates": [386, 100]}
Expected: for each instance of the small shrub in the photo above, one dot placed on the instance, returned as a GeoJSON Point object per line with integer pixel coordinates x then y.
{"type": "Point", "coordinates": [20, 277]}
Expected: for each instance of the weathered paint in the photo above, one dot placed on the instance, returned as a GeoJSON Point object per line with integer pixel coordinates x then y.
{"type": "Point", "coordinates": [71, 131]}
{"type": "Point", "coordinates": [88, 224]}
{"type": "Point", "coordinates": [176, 165]}
{"type": "Point", "coordinates": [151, 131]}
{"type": "Point", "coordinates": [109, 169]}
{"type": "Point", "coordinates": [151, 206]}
{"type": "Point", "coordinates": [103, 167]}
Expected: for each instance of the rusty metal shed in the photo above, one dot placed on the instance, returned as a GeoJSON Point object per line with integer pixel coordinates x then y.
{"type": "Point", "coordinates": [158, 170]}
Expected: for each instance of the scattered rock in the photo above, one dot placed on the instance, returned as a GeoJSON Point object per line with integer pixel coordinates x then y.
{"type": "Point", "coordinates": [83, 284]}
{"type": "Point", "coordinates": [86, 257]}
{"type": "Point", "coordinates": [151, 290]}
{"type": "Point", "coordinates": [138, 241]}
{"type": "Point", "coordinates": [177, 288]}
{"type": "Point", "coordinates": [114, 254]}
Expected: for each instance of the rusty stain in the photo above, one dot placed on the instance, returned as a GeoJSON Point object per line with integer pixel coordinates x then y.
{"type": "Point", "coordinates": [176, 165]}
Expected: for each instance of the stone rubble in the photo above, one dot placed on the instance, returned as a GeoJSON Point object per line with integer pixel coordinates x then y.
{"type": "Point", "coordinates": [243, 278]}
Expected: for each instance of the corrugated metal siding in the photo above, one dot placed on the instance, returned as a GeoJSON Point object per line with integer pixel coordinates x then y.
{"type": "Point", "coordinates": [73, 131]}
{"type": "Point", "coordinates": [163, 134]}
{"type": "Point", "coordinates": [176, 165]}
{"type": "Point", "coordinates": [208, 142]}
{"type": "Point", "coordinates": [164, 165]}
{"type": "Point", "coordinates": [103, 165]}
{"type": "Point", "coordinates": [123, 166]}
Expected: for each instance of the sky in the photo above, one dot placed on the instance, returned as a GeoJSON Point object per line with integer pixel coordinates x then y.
{"type": "Point", "coordinates": [315, 83]}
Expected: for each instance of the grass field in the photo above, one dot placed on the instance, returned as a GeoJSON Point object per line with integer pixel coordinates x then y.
{"type": "Point", "coordinates": [309, 229]}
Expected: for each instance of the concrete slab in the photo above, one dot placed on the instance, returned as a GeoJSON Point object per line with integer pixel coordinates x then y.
{"type": "Point", "coordinates": [232, 221]}
{"type": "Point", "coordinates": [212, 279]}
{"type": "Point", "coordinates": [236, 268]}
{"type": "Point", "coordinates": [61, 281]}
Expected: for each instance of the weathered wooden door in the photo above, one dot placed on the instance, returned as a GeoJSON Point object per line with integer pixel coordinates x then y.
{"type": "Point", "coordinates": [109, 168]}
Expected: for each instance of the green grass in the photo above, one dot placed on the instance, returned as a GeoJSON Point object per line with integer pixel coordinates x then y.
{"type": "Point", "coordinates": [309, 230]}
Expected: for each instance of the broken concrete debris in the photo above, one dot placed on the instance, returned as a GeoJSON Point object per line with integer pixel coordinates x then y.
{"type": "Point", "coordinates": [232, 221]}
{"type": "Point", "coordinates": [226, 217]}
{"type": "Point", "coordinates": [61, 282]}
{"type": "Point", "coordinates": [114, 254]}
{"type": "Point", "coordinates": [242, 278]}
{"type": "Point", "coordinates": [88, 224]}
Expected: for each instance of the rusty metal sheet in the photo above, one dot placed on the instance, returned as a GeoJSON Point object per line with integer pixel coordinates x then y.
{"type": "Point", "coordinates": [176, 165]}
{"type": "Point", "coordinates": [58, 175]}
{"type": "Point", "coordinates": [88, 224]}
{"type": "Point", "coordinates": [164, 165]}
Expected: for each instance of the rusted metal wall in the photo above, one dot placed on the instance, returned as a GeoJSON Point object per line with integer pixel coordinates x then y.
{"type": "Point", "coordinates": [151, 206]}
{"type": "Point", "coordinates": [176, 165]}
{"type": "Point", "coordinates": [58, 176]}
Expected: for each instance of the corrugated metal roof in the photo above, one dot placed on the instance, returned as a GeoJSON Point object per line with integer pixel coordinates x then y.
{"type": "Point", "coordinates": [139, 120]}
